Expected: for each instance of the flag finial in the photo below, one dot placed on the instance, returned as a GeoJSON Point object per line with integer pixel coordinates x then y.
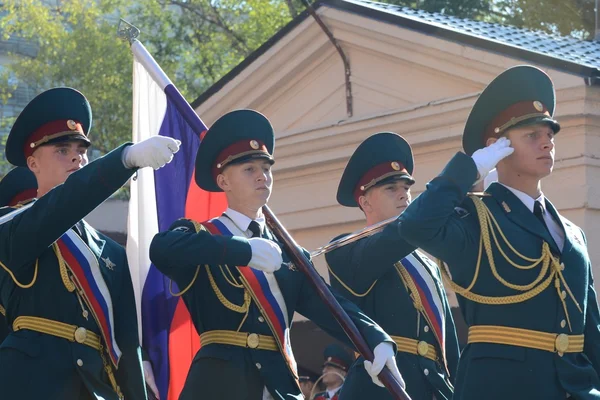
{"type": "Point", "coordinates": [127, 31]}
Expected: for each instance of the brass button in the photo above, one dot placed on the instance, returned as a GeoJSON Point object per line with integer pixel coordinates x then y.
{"type": "Point", "coordinates": [422, 348]}
{"type": "Point", "coordinates": [426, 371]}
{"type": "Point", "coordinates": [253, 340]}
{"type": "Point", "coordinates": [561, 343]}
{"type": "Point", "coordinates": [563, 295]}
{"type": "Point", "coordinates": [562, 266]}
{"type": "Point", "coordinates": [261, 319]}
{"type": "Point", "coordinates": [80, 335]}
{"type": "Point", "coordinates": [80, 362]}
{"type": "Point", "coordinates": [563, 323]}
{"type": "Point", "coordinates": [426, 329]}
{"type": "Point", "coordinates": [258, 366]}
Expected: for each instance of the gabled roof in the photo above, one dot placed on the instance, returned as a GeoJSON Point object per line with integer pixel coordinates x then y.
{"type": "Point", "coordinates": [563, 53]}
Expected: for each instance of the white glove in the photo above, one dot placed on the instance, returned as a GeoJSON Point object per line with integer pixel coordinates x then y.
{"type": "Point", "coordinates": [487, 158]}
{"type": "Point", "coordinates": [153, 152]}
{"type": "Point", "coordinates": [383, 355]}
{"type": "Point", "coordinates": [266, 255]}
{"type": "Point", "coordinates": [149, 376]}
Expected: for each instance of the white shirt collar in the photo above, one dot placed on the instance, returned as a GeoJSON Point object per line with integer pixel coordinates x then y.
{"type": "Point", "coordinates": [332, 392]}
{"type": "Point", "coordinates": [526, 199]}
{"type": "Point", "coordinates": [243, 221]}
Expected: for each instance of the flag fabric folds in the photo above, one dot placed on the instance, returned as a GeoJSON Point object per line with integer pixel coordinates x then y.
{"type": "Point", "coordinates": [158, 198]}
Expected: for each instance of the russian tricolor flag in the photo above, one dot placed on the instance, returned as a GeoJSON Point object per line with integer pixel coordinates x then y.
{"type": "Point", "coordinates": [157, 199]}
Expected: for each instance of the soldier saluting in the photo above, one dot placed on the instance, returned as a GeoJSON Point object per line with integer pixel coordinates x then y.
{"type": "Point", "coordinates": [521, 269]}
{"type": "Point", "coordinates": [65, 287]}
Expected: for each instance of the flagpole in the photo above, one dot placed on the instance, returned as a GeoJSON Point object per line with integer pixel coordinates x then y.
{"type": "Point", "coordinates": [130, 33]}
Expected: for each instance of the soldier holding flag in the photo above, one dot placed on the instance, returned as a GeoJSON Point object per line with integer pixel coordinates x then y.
{"type": "Point", "coordinates": [240, 288]}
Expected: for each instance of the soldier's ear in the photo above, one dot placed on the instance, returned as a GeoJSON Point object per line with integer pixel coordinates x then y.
{"type": "Point", "coordinates": [32, 164]}
{"type": "Point", "coordinates": [222, 182]}
{"type": "Point", "coordinates": [364, 204]}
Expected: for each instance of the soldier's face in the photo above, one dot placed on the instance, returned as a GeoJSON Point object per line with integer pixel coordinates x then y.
{"type": "Point", "coordinates": [332, 376]}
{"type": "Point", "coordinates": [534, 151]}
{"type": "Point", "coordinates": [249, 183]}
{"type": "Point", "coordinates": [53, 163]}
{"type": "Point", "coordinates": [386, 201]}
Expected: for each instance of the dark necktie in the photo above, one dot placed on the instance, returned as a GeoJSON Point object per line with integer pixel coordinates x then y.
{"type": "Point", "coordinates": [254, 227]}
{"type": "Point", "coordinates": [538, 211]}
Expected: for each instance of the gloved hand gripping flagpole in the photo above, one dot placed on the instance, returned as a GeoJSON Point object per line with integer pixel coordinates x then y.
{"type": "Point", "coordinates": [130, 33]}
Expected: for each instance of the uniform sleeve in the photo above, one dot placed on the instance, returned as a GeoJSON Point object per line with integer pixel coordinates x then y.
{"type": "Point", "coordinates": [431, 221]}
{"type": "Point", "coordinates": [130, 373]}
{"type": "Point", "coordinates": [27, 235]}
{"type": "Point", "coordinates": [591, 346]}
{"type": "Point", "coordinates": [360, 264]}
{"type": "Point", "coordinates": [178, 251]}
{"type": "Point", "coordinates": [312, 307]}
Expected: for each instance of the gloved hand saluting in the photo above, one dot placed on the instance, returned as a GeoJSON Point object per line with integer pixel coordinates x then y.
{"type": "Point", "coordinates": [487, 158]}
{"type": "Point", "coordinates": [153, 152]}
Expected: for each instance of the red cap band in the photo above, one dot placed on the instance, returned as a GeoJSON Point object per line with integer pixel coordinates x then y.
{"type": "Point", "coordinates": [49, 131]}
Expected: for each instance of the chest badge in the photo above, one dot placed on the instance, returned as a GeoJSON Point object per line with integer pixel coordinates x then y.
{"type": "Point", "coordinates": [108, 263]}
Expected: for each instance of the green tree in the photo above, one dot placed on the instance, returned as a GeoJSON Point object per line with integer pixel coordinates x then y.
{"type": "Point", "coordinates": [77, 47]}
{"type": "Point", "coordinates": [195, 41]}
{"type": "Point", "coordinates": [566, 17]}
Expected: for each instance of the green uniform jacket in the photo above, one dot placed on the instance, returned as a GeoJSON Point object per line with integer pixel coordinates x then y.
{"type": "Point", "coordinates": [367, 268]}
{"type": "Point", "coordinates": [444, 222]}
{"type": "Point", "coordinates": [178, 252]}
{"type": "Point", "coordinates": [39, 366]}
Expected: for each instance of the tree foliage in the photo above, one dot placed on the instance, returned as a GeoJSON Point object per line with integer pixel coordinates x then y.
{"type": "Point", "coordinates": [195, 41]}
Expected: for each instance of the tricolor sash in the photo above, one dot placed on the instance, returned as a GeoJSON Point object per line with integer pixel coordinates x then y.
{"type": "Point", "coordinates": [265, 291]}
{"type": "Point", "coordinates": [88, 279]}
{"type": "Point", "coordinates": [431, 301]}
{"type": "Point", "coordinates": [84, 267]}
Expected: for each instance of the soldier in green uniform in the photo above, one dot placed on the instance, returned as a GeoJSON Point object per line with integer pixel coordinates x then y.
{"type": "Point", "coordinates": [521, 269]}
{"type": "Point", "coordinates": [392, 282]}
{"type": "Point", "coordinates": [16, 188]}
{"type": "Point", "coordinates": [336, 363]}
{"type": "Point", "coordinates": [65, 287]}
{"type": "Point", "coordinates": [239, 287]}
